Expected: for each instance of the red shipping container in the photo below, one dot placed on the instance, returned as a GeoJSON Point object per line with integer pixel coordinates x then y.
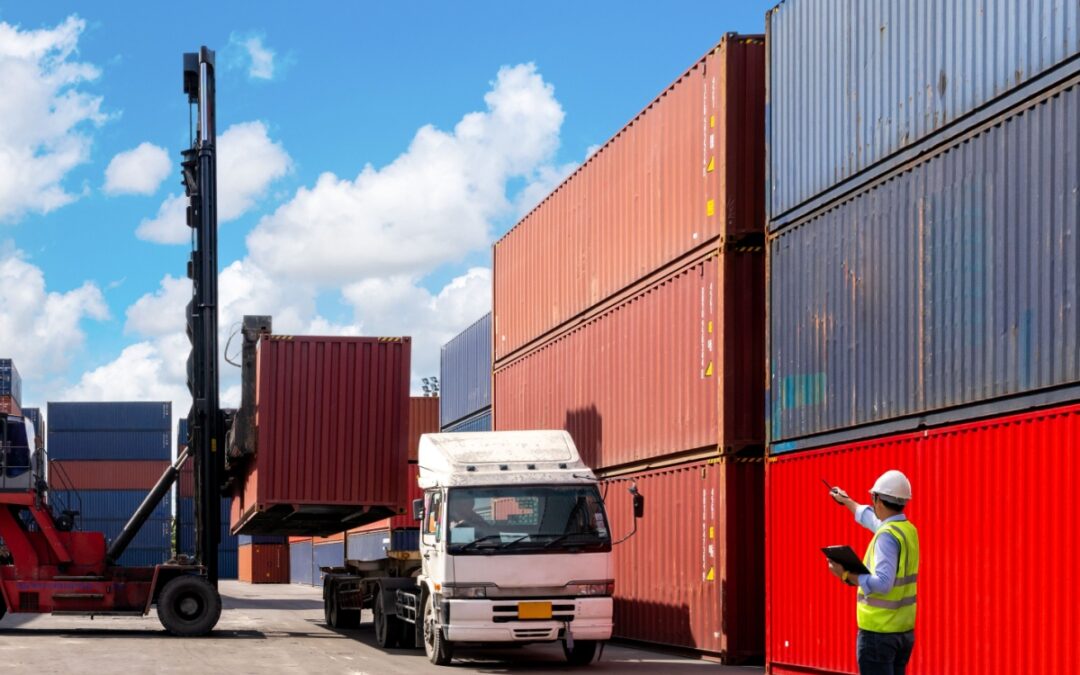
{"type": "Point", "coordinates": [678, 368]}
{"type": "Point", "coordinates": [332, 422]}
{"type": "Point", "coordinates": [404, 521]}
{"type": "Point", "coordinates": [692, 576]}
{"type": "Point", "coordinates": [991, 502]}
{"type": "Point", "coordinates": [186, 480]}
{"type": "Point", "coordinates": [264, 563]}
{"type": "Point", "coordinates": [105, 475]}
{"type": "Point", "coordinates": [423, 419]}
{"type": "Point", "coordinates": [690, 168]}
{"type": "Point", "coordinates": [9, 406]}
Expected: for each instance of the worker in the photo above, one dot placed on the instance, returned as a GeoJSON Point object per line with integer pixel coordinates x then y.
{"type": "Point", "coordinates": [886, 597]}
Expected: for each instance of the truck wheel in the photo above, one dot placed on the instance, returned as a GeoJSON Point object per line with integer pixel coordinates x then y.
{"type": "Point", "coordinates": [336, 617]}
{"type": "Point", "coordinates": [407, 636]}
{"type": "Point", "coordinates": [439, 650]}
{"type": "Point", "coordinates": [582, 654]}
{"type": "Point", "coordinates": [189, 606]}
{"type": "Point", "coordinates": [387, 631]}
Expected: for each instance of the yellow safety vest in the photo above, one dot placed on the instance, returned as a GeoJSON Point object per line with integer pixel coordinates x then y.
{"type": "Point", "coordinates": [892, 612]}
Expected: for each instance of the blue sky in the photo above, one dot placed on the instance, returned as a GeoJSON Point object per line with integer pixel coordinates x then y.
{"type": "Point", "coordinates": [311, 90]}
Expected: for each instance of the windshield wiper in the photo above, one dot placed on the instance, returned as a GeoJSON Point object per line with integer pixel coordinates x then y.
{"type": "Point", "coordinates": [474, 542]}
{"type": "Point", "coordinates": [564, 537]}
{"type": "Point", "coordinates": [514, 541]}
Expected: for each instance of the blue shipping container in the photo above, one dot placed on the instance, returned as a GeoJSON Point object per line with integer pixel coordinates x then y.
{"type": "Point", "coordinates": [111, 416]}
{"type": "Point", "coordinates": [300, 562]}
{"type": "Point", "coordinates": [852, 82]}
{"type": "Point", "coordinates": [109, 445]}
{"type": "Point", "coordinates": [143, 557]}
{"type": "Point", "coordinates": [370, 546]}
{"type": "Point", "coordinates": [331, 554]}
{"type": "Point", "coordinates": [228, 564]}
{"type": "Point", "coordinates": [107, 504]}
{"type": "Point", "coordinates": [185, 516]}
{"type": "Point", "coordinates": [481, 421]}
{"type": "Point", "coordinates": [156, 533]}
{"type": "Point", "coordinates": [465, 373]}
{"type": "Point", "coordinates": [182, 433]}
{"type": "Point", "coordinates": [10, 380]}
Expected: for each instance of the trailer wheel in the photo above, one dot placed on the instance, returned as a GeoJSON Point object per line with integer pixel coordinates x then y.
{"type": "Point", "coordinates": [335, 616]}
{"type": "Point", "coordinates": [439, 650]}
{"type": "Point", "coordinates": [582, 654]}
{"type": "Point", "coordinates": [387, 631]}
{"type": "Point", "coordinates": [189, 606]}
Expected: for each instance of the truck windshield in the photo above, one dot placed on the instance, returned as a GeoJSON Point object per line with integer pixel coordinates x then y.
{"type": "Point", "coordinates": [488, 520]}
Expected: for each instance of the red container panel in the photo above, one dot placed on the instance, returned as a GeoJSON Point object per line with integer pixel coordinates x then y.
{"type": "Point", "coordinates": [692, 576]}
{"type": "Point", "coordinates": [264, 563]}
{"type": "Point", "coordinates": [687, 170]}
{"type": "Point", "coordinates": [405, 521]}
{"type": "Point", "coordinates": [105, 475]}
{"type": "Point", "coordinates": [678, 367]}
{"type": "Point", "coordinates": [991, 499]}
{"type": "Point", "coordinates": [423, 419]}
{"type": "Point", "coordinates": [332, 423]}
{"type": "Point", "coordinates": [9, 406]}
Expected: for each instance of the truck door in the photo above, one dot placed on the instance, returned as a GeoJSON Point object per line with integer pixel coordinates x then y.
{"type": "Point", "coordinates": [433, 536]}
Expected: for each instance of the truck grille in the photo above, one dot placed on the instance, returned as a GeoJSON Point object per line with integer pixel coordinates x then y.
{"type": "Point", "coordinates": [509, 612]}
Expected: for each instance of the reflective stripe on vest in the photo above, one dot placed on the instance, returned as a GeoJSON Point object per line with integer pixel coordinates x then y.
{"type": "Point", "coordinates": [892, 612]}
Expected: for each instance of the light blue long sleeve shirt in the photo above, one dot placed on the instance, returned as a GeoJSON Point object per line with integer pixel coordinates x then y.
{"type": "Point", "coordinates": [886, 552]}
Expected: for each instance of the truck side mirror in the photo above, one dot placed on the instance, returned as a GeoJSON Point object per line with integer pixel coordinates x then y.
{"type": "Point", "coordinates": [418, 509]}
{"type": "Point", "coordinates": [639, 506]}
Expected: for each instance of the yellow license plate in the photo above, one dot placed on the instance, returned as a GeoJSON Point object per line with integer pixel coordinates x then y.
{"type": "Point", "coordinates": [534, 610]}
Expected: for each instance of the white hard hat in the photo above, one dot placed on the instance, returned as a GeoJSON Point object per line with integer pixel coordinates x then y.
{"type": "Point", "coordinates": [893, 484]}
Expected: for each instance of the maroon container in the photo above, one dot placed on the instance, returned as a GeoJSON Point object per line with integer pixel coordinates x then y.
{"type": "Point", "coordinates": [688, 170]}
{"type": "Point", "coordinates": [675, 369]}
{"type": "Point", "coordinates": [692, 576]}
{"type": "Point", "coordinates": [992, 503]}
{"type": "Point", "coordinates": [423, 419]}
{"type": "Point", "coordinates": [332, 426]}
{"type": "Point", "coordinates": [105, 475]}
{"type": "Point", "coordinates": [264, 563]}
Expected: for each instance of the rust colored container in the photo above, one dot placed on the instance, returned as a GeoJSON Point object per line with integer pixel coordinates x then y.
{"type": "Point", "coordinates": [991, 499]}
{"type": "Point", "coordinates": [186, 480]}
{"type": "Point", "coordinates": [689, 169]}
{"type": "Point", "coordinates": [677, 368]}
{"type": "Point", "coordinates": [105, 475]}
{"type": "Point", "coordinates": [404, 521]}
{"type": "Point", "coordinates": [423, 419]}
{"type": "Point", "coordinates": [332, 423]}
{"type": "Point", "coordinates": [9, 406]}
{"type": "Point", "coordinates": [264, 563]}
{"type": "Point", "coordinates": [692, 576]}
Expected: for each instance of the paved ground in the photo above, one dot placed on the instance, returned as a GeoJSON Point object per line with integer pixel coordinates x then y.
{"type": "Point", "coordinates": [276, 629]}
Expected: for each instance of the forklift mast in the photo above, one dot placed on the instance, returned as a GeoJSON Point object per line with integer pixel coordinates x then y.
{"type": "Point", "coordinates": [206, 422]}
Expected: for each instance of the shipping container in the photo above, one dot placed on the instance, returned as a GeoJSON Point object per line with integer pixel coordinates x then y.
{"type": "Point", "coordinates": [953, 281]}
{"type": "Point", "coordinates": [228, 564]}
{"type": "Point", "coordinates": [181, 434]}
{"type": "Point", "coordinates": [987, 497]}
{"type": "Point", "coordinates": [144, 557]}
{"type": "Point", "coordinates": [38, 420]}
{"type": "Point", "coordinates": [185, 482]}
{"type": "Point", "coordinates": [692, 575]}
{"type": "Point", "coordinates": [109, 445]}
{"type": "Point", "coordinates": [263, 563]}
{"type": "Point", "coordinates": [481, 421]}
{"type": "Point", "coordinates": [423, 419]}
{"type": "Point", "coordinates": [105, 475]}
{"type": "Point", "coordinates": [329, 554]}
{"type": "Point", "coordinates": [465, 373]}
{"type": "Point", "coordinates": [111, 416]}
{"type": "Point", "coordinates": [9, 405]}
{"type": "Point", "coordinates": [685, 173]}
{"type": "Point", "coordinates": [677, 368]}
{"type": "Point", "coordinates": [894, 74]}
{"type": "Point", "coordinates": [185, 525]}
{"type": "Point", "coordinates": [265, 539]}
{"type": "Point", "coordinates": [373, 545]}
{"type": "Point", "coordinates": [10, 381]}
{"type": "Point", "coordinates": [119, 504]}
{"type": "Point", "coordinates": [406, 519]}
{"type": "Point", "coordinates": [332, 433]}
{"type": "Point", "coordinates": [300, 561]}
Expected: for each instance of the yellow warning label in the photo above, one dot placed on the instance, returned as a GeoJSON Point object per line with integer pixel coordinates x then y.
{"type": "Point", "coordinates": [712, 532]}
{"type": "Point", "coordinates": [711, 576]}
{"type": "Point", "coordinates": [712, 164]}
{"type": "Point", "coordinates": [710, 326]}
{"type": "Point", "coordinates": [708, 371]}
{"type": "Point", "coordinates": [712, 121]}
{"type": "Point", "coordinates": [710, 208]}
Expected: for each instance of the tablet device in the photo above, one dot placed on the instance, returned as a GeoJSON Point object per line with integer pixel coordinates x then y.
{"type": "Point", "coordinates": [846, 559]}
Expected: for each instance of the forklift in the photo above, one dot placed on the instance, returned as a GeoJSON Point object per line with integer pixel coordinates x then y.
{"type": "Point", "coordinates": [46, 565]}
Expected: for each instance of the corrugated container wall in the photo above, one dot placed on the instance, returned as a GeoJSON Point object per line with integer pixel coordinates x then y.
{"type": "Point", "coordinates": [263, 563]}
{"type": "Point", "coordinates": [481, 421]}
{"type": "Point", "coordinates": [892, 74]}
{"type": "Point", "coordinates": [330, 554]}
{"type": "Point", "coordinates": [9, 406]}
{"type": "Point", "coordinates": [111, 416]}
{"type": "Point", "coordinates": [109, 445]}
{"type": "Point", "coordinates": [10, 381]}
{"type": "Point", "coordinates": [692, 576]}
{"type": "Point", "coordinates": [981, 503]}
{"type": "Point", "coordinates": [105, 475]}
{"type": "Point", "coordinates": [683, 173]}
{"type": "Point", "coordinates": [465, 373]}
{"type": "Point", "coordinates": [332, 433]}
{"type": "Point", "coordinates": [300, 561]}
{"type": "Point", "coordinates": [423, 419]}
{"type": "Point", "coordinates": [953, 281]}
{"type": "Point", "coordinates": [675, 369]}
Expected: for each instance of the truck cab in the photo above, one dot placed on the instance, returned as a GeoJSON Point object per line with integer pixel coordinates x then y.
{"type": "Point", "coordinates": [515, 544]}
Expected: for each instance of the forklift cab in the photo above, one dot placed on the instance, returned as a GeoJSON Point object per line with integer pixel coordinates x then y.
{"type": "Point", "coordinates": [18, 463]}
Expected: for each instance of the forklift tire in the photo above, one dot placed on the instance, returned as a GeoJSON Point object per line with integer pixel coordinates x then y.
{"type": "Point", "coordinates": [189, 606]}
{"type": "Point", "coordinates": [387, 629]}
{"type": "Point", "coordinates": [439, 650]}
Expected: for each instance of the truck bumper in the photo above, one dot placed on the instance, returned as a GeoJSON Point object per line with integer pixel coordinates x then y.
{"type": "Point", "coordinates": [496, 621]}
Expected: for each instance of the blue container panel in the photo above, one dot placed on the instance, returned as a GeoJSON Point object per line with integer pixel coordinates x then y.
{"type": "Point", "coordinates": [465, 373]}
{"type": "Point", "coordinates": [300, 562]}
{"type": "Point", "coordinates": [106, 504]}
{"type": "Point", "coordinates": [105, 445]}
{"type": "Point", "coordinates": [185, 515]}
{"type": "Point", "coordinates": [156, 533]}
{"type": "Point", "coordinates": [326, 555]}
{"type": "Point", "coordinates": [368, 546]}
{"type": "Point", "coordinates": [478, 422]}
{"type": "Point", "coordinates": [182, 432]}
{"type": "Point", "coordinates": [144, 557]}
{"type": "Point", "coordinates": [10, 380]}
{"type": "Point", "coordinates": [228, 564]}
{"type": "Point", "coordinates": [112, 416]}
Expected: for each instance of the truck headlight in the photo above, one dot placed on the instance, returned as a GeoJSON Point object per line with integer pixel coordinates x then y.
{"type": "Point", "coordinates": [603, 588]}
{"type": "Point", "coordinates": [465, 591]}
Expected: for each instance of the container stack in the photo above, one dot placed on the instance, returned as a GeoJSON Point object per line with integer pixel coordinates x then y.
{"type": "Point", "coordinates": [465, 379]}
{"type": "Point", "coordinates": [10, 388]}
{"type": "Point", "coordinates": [924, 316]}
{"type": "Point", "coordinates": [103, 460]}
{"type": "Point", "coordinates": [629, 310]}
{"type": "Point", "coordinates": [229, 549]}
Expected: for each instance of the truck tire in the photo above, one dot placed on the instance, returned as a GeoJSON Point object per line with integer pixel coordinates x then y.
{"type": "Point", "coordinates": [439, 650]}
{"type": "Point", "coordinates": [407, 635]}
{"type": "Point", "coordinates": [335, 616]}
{"type": "Point", "coordinates": [387, 630]}
{"type": "Point", "coordinates": [189, 606]}
{"type": "Point", "coordinates": [582, 654]}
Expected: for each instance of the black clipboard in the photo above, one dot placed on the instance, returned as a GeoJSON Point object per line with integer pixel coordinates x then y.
{"type": "Point", "coordinates": [846, 558]}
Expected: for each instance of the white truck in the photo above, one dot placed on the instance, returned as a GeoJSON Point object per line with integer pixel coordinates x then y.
{"type": "Point", "coordinates": [514, 547]}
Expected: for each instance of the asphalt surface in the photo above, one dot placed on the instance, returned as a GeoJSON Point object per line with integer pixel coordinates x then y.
{"type": "Point", "coordinates": [278, 629]}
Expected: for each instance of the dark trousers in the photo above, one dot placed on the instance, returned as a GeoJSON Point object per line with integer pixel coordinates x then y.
{"type": "Point", "coordinates": [884, 653]}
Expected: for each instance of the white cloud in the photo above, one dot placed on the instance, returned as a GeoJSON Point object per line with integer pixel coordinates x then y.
{"type": "Point", "coordinates": [41, 329]}
{"type": "Point", "coordinates": [250, 51]}
{"type": "Point", "coordinates": [433, 204]}
{"type": "Point", "coordinates": [44, 116]}
{"type": "Point", "coordinates": [592, 149]}
{"type": "Point", "coordinates": [543, 181]}
{"type": "Point", "coordinates": [138, 171]}
{"type": "Point", "coordinates": [248, 163]}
